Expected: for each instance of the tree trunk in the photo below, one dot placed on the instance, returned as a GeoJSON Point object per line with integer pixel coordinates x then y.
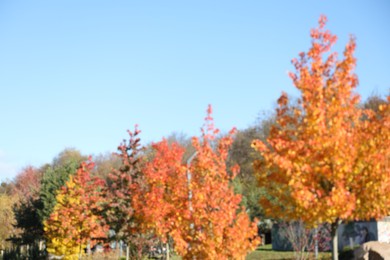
{"type": "Point", "coordinates": [89, 250]}
{"type": "Point", "coordinates": [80, 251]}
{"type": "Point", "coordinates": [119, 248]}
{"type": "Point", "coordinates": [127, 252]}
{"type": "Point", "coordinates": [40, 245]}
{"type": "Point", "coordinates": [168, 250]}
{"type": "Point", "coordinates": [316, 243]}
{"type": "Point", "coordinates": [335, 246]}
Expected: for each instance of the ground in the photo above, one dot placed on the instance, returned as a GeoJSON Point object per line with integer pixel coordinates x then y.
{"type": "Point", "coordinates": [266, 253]}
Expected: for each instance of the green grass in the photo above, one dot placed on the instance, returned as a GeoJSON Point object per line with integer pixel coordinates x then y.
{"type": "Point", "coordinates": [266, 253]}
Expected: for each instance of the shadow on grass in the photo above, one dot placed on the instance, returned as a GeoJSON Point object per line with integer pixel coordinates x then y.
{"type": "Point", "coordinates": [264, 249]}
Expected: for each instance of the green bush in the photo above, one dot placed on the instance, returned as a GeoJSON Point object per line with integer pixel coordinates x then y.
{"type": "Point", "coordinates": [347, 253]}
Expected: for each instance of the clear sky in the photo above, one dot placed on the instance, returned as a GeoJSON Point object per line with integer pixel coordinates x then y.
{"type": "Point", "coordinates": [79, 73]}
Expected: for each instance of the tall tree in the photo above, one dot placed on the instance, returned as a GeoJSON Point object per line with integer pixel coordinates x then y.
{"type": "Point", "coordinates": [198, 207]}
{"type": "Point", "coordinates": [73, 222]}
{"type": "Point", "coordinates": [122, 185]}
{"type": "Point", "coordinates": [326, 160]}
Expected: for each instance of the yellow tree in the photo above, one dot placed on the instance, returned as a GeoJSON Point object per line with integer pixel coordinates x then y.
{"type": "Point", "coordinates": [326, 159]}
{"type": "Point", "coordinates": [73, 223]}
{"type": "Point", "coordinates": [7, 220]}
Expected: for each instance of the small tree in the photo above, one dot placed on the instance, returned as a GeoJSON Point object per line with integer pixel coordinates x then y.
{"type": "Point", "coordinates": [73, 223]}
{"type": "Point", "coordinates": [326, 159]}
{"type": "Point", "coordinates": [305, 241]}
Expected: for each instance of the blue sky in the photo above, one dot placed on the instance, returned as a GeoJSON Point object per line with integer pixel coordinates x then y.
{"type": "Point", "coordinates": [80, 73]}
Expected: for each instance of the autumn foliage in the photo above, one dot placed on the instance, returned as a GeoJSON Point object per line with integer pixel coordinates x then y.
{"type": "Point", "coordinates": [123, 189]}
{"type": "Point", "coordinates": [7, 219]}
{"type": "Point", "coordinates": [194, 202]}
{"type": "Point", "coordinates": [167, 190]}
{"type": "Point", "coordinates": [326, 159]}
{"type": "Point", "coordinates": [27, 184]}
{"type": "Point", "coordinates": [73, 223]}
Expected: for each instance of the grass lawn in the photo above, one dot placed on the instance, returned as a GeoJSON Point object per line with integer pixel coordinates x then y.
{"type": "Point", "coordinates": [263, 252]}
{"type": "Point", "coordinates": [266, 253]}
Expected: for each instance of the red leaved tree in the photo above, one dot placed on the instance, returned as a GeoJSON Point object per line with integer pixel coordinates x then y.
{"type": "Point", "coordinates": [27, 184]}
{"type": "Point", "coordinates": [26, 188]}
{"type": "Point", "coordinates": [122, 186]}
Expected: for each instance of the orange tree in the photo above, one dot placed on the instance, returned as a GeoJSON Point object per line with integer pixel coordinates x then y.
{"type": "Point", "coordinates": [195, 203]}
{"type": "Point", "coordinates": [326, 159]}
{"type": "Point", "coordinates": [166, 195]}
{"type": "Point", "coordinates": [73, 223]}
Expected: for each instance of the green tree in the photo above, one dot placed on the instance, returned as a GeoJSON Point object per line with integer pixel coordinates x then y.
{"type": "Point", "coordinates": [54, 177]}
{"type": "Point", "coordinates": [245, 183]}
{"type": "Point", "coordinates": [242, 154]}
